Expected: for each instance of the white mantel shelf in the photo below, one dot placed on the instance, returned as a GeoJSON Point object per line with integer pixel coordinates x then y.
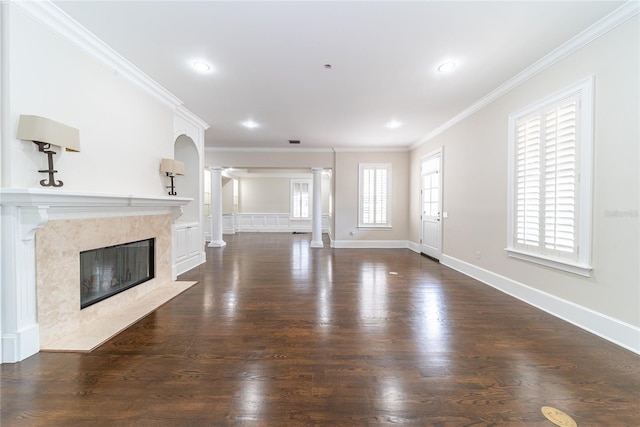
{"type": "Point", "coordinates": [42, 205]}
{"type": "Point", "coordinates": [62, 198]}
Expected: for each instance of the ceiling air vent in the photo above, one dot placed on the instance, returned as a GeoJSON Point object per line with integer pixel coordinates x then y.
{"type": "Point", "coordinates": [294, 141]}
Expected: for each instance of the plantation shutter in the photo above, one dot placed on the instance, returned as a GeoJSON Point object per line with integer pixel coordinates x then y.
{"type": "Point", "coordinates": [560, 178]}
{"type": "Point", "coordinates": [304, 200]}
{"type": "Point", "coordinates": [368, 196]}
{"type": "Point", "coordinates": [381, 197]}
{"type": "Point", "coordinates": [300, 199]}
{"type": "Point", "coordinates": [546, 179]}
{"type": "Point", "coordinates": [297, 196]}
{"type": "Point", "coordinates": [374, 195]}
{"type": "Point", "coordinates": [528, 182]}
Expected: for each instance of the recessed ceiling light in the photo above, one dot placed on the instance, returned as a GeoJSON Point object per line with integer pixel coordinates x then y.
{"type": "Point", "coordinates": [446, 67]}
{"type": "Point", "coordinates": [203, 67]}
{"type": "Point", "coordinates": [250, 124]}
{"type": "Point", "coordinates": [393, 124]}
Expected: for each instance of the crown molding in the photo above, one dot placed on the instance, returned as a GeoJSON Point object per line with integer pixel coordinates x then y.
{"type": "Point", "coordinates": [191, 117]}
{"type": "Point", "coordinates": [55, 19]}
{"type": "Point", "coordinates": [267, 150]}
{"type": "Point", "coordinates": [603, 26]}
{"type": "Point", "coordinates": [280, 175]}
{"type": "Point", "coordinates": [371, 149]}
{"type": "Point", "coordinates": [308, 150]}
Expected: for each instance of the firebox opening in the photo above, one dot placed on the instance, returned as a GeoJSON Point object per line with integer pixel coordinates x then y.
{"type": "Point", "coordinates": [107, 271]}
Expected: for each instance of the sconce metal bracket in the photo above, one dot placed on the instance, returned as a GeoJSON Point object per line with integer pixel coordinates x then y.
{"type": "Point", "coordinates": [51, 182]}
{"type": "Point", "coordinates": [172, 191]}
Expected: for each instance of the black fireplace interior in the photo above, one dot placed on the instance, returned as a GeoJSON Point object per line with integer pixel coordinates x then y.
{"type": "Point", "coordinates": [107, 271]}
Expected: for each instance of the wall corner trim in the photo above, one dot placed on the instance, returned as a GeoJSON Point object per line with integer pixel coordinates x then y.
{"type": "Point", "coordinates": [603, 26]}
{"type": "Point", "coordinates": [613, 330]}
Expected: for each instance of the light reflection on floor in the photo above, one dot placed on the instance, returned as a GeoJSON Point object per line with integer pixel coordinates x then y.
{"type": "Point", "coordinates": [373, 298]}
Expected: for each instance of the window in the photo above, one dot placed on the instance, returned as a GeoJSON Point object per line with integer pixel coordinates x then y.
{"type": "Point", "coordinates": [550, 162]}
{"type": "Point", "coordinates": [375, 195]}
{"type": "Point", "coordinates": [300, 199]}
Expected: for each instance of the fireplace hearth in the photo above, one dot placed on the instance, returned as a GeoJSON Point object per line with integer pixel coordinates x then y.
{"type": "Point", "coordinates": [107, 271]}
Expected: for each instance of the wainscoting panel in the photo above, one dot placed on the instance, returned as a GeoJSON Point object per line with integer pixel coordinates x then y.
{"type": "Point", "coordinates": [269, 223]}
{"type": "Point", "coordinates": [187, 248]}
{"type": "Point", "coordinates": [228, 225]}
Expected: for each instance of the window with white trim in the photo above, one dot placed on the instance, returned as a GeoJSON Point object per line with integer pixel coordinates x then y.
{"type": "Point", "coordinates": [300, 199]}
{"type": "Point", "coordinates": [550, 169]}
{"type": "Point", "coordinates": [374, 207]}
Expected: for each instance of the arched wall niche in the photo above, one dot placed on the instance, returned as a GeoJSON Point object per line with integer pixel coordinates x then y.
{"type": "Point", "coordinates": [188, 185]}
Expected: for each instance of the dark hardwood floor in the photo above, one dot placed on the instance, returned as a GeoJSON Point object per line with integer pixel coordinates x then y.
{"type": "Point", "coordinates": [276, 334]}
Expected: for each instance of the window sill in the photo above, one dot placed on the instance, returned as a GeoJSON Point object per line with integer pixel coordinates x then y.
{"type": "Point", "coordinates": [556, 263]}
{"type": "Point", "coordinates": [374, 227]}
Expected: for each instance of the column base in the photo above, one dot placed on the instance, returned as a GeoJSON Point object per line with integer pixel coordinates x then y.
{"type": "Point", "coordinates": [316, 244]}
{"type": "Point", "coordinates": [217, 244]}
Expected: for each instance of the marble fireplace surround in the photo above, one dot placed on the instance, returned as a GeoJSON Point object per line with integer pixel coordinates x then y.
{"type": "Point", "coordinates": [43, 232]}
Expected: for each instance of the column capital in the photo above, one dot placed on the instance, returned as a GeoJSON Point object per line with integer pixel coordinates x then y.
{"type": "Point", "coordinates": [317, 170]}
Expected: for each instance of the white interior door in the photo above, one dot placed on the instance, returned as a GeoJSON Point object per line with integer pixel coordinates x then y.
{"type": "Point", "coordinates": [431, 196]}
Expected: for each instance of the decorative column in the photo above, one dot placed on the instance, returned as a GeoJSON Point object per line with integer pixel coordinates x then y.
{"type": "Point", "coordinates": [216, 209]}
{"type": "Point", "coordinates": [316, 220]}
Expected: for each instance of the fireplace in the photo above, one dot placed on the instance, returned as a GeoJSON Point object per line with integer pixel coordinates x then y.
{"type": "Point", "coordinates": [107, 271]}
{"type": "Point", "coordinates": [45, 233]}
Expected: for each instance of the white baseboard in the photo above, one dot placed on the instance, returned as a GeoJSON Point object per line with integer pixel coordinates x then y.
{"type": "Point", "coordinates": [19, 346]}
{"type": "Point", "coordinates": [275, 230]}
{"type": "Point", "coordinates": [415, 247]}
{"type": "Point", "coordinates": [272, 230]}
{"type": "Point", "coordinates": [613, 330]}
{"type": "Point", "coordinates": [187, 264]}
{"type": "Point", "coordinates": [370, 244]}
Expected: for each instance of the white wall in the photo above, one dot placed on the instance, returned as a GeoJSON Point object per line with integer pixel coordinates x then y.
{"type": "Point", "coordinates": [475, 186]}
{"type": "Point", "coordinates": [124, 131]}
{"type": "Point", "coordinates": [264, 195]}
{"type": "Point", "coordinates": [227, 196]}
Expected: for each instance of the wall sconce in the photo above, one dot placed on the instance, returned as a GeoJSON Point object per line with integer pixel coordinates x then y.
{"type": "Point", "coordinates": [45, 133]}
{"type": "Point", "coordinates": [172, 168]}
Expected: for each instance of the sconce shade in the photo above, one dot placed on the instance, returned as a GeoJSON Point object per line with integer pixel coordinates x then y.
{"type": "Point", "coordinates": [166, 165]}
{"type": "Point", "coordinates": [178, 167]}
{"type": "Point", "coordinates": [172, 167]}
{"type": "Point", "coordinates": [41, 129]}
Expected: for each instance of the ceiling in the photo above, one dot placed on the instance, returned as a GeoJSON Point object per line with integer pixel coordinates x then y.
{"type": "Point", "coordinates": [268, 61]}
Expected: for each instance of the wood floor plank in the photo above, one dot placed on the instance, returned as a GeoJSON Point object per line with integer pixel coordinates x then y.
{"type": "Point", "coordinates": [278, 334]}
